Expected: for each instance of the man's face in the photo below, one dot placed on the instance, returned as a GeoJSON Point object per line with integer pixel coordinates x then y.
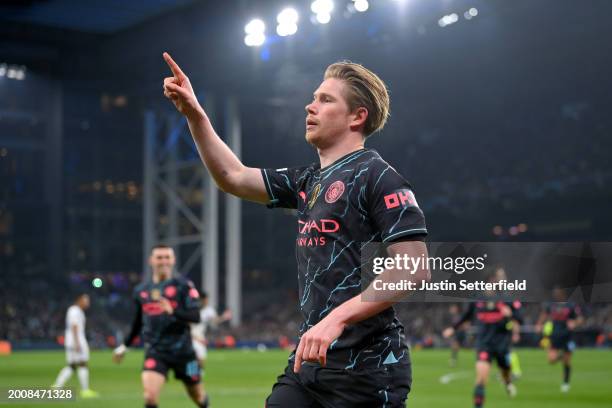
{"type": "Point", "coordinates": [162, 262]}
{"type": "Point", "coordinates": [328, 115]}
{"type": "Point", "coordinates": [84, 302]}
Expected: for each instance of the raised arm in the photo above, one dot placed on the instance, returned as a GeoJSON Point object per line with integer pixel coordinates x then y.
{"type": "Point", "coordinates": [226, 169]}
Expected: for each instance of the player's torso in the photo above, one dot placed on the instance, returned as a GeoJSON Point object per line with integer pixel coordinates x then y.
{"type": "Point", "coordinates": [161, 331]}
{"type": "Point", "coordinates": [493, 325]}
{"type": "Point", "coordinates": [75, 316]}
{"type": "Point", "coordinates": [332, 225]}
{"type": "Point", "coordinates": [560, 313]}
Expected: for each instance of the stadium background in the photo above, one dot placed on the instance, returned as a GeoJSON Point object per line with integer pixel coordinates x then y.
{"type": "Point", "coordinates": [500, 121]}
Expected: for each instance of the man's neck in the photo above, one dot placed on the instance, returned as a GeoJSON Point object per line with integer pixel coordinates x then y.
{"type": "Point", "coordinates": [330, 154]}
{"type": "Point", "coordinates": [160, 278]}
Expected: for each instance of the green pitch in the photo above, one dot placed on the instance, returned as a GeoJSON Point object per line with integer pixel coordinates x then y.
{"type": "Point", "coordinates": [244, 378]}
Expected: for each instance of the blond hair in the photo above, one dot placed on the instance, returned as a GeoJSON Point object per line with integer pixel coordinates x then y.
{"type": "Point", "coordinates": [363, 89]}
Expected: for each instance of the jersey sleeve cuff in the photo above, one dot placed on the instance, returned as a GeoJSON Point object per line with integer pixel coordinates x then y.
{"type": "Point", "coordinates": [273, 200]}
{"type": "Point", "coordinates": [405, 233]}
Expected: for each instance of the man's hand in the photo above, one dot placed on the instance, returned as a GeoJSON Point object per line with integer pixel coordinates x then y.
{"type": "Point", "coordinates": [119, 353]}
{"type": "Point", "coordinates": [315, 342]}
{"type": "Point", "coordinates": [165, 304]}
{"type": "Point", "coordinates": [227, 315]}
{"type": "Point", "coordinates": [448, 332]}
{"type": "Point", "coordinates": [516, 337]}
{"type": "Point", "coordinates": [178, 89]}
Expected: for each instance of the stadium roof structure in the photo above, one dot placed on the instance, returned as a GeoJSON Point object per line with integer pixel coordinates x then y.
{"type": "Point", "coordinates": [92, 16]}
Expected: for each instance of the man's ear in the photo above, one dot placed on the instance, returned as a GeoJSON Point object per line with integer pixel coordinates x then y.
{"type": "Point", "coordinates": [358, 118]}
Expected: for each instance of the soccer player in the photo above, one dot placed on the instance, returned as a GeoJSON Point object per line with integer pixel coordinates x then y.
{"type": "Point", "coordinates": [565, 317]}
{"type": "Point", "coordinates": [77, 349]}
{"type": "Point", "coordinates": [208, 317]}
{"type": "Point", "coordinates": [498, 327]}
{"type": "Point", "coordinates": [166, 306]}
{"type": "Point", "coordinates": [350, 352]}
{"type": "Point", "coordinates": [458, 337]}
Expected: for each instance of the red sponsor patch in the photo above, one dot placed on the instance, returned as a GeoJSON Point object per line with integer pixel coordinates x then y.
{"type": "Point", "coordinates": [193, 292]}
{"type": "Point", "coordinates": [144, 294]}
{"type": "Point", "coordinates": [150, 363]}
{"type": "Point", "coordinates": [334, 192]}
{"type": "Point", "coordinates": [401, 198]}
{"type": "Point", "coordinates": [303, 195]}
{"type": "Point", "coordinates": [483, 356]}
{"type": "Point", "coordinates": [170, 291]}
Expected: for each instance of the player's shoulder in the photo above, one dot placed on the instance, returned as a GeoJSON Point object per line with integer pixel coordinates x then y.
{"type": "Point", "coordinates": [140, 287]}
{"type": "Point", "coordinates": [73, 309]}
{"type": "Point", "coordinates": [376, 167]}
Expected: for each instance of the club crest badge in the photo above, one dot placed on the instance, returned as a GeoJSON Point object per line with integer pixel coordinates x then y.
{"type": "Point", "coordinates": [334, 192]}
{"type": "Point", "coordinates": [155, 294]}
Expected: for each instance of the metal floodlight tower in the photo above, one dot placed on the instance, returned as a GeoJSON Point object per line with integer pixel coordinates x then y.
{"type": "Point", "coordinates": [180, 203]}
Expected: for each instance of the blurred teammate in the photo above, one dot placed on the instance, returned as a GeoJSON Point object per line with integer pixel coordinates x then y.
{"type": "Point", "coordinates": [77, 349]}
{"type": "Point", "coordinates": [166, 306]}
{"type": "Point", "coordinates": [458, 338]}
{"type": "Point", "coordinates": [498, 327]}
{"type": "Point", "coordinates": [351, 352]}
{"type": "Point", "coordinates": [565, 317]}
{"type": "Point", "coordinates": [208, 318]}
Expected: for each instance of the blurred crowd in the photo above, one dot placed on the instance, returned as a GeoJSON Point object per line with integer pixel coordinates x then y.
{"type": "Point", "coordinates": [32, 313]}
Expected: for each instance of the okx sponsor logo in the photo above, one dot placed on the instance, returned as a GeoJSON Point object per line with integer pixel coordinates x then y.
{"type": "Point", "coordinates": [400, 198]}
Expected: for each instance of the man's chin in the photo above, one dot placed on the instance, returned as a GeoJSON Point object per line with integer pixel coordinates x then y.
{"type": "Point", "coordinates": [312, 138]}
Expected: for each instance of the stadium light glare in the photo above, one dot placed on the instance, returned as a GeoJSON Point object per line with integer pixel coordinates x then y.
{"type": "Point", "coordinates": [322, 7]}
{"type": "Point", "coordinates": [361, 5]}
{"type": "Point", "coordinates": [323, 18]}
{"type": "Point", "coordinates": [2, 70]}
{"type": "Point", "coordinates": [286, 29]}
{"type": "Point", "coordinates": [287, 16]}
{"type": "Point", "coordinates": [453, 18]}
{"type": "Point", "coordinates": [255, 26]}
{"type": "Point", "coordinates": [473, 12]}
{"type": "Point", "coordinates": [255, 39]}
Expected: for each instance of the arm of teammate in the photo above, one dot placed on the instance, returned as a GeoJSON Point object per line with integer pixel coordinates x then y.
{"type": "Point", "coordinates": [517, 321]}
{"type": "Point", "coordinates": [541, 320]}
{"type": "Point", "coordinates": [467, 315]}
{"type": "Point", "coordinates": [75, 335]}
{"type": "Point", "coordinates": [187, 315]}
{"type": "Point", "coordinates": [227, 170]}
{"type": "Point", "coordinates": [119, 352]}
{"type": "Point", "coordinates": [315, 342]}
{"type": "Point", "coordinates": [575, 318]}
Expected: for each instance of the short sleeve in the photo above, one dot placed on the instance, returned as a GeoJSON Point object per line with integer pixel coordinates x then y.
{"type": "Point", "coordinates": [282, 185]}
{"type": "Point", "coordinates": [392, 205]}
{"type": "Point", "coordinates": [190, 297]}
{"type": "Point", "coordinates": [73, 317]}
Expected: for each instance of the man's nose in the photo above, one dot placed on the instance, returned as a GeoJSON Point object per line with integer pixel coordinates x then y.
{"type": "Point", "coordinates": [310, 108]}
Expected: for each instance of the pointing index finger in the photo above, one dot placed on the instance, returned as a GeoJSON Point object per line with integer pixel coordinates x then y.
{"type": "Point", "coordinates": [176, 70]}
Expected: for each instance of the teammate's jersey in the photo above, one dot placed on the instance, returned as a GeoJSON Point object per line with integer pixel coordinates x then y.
{"type": "Point", "coordinates": [560, 313]}
{"type": "Point", "coordinates": [75, 317]}
{"type": "Point", "coordinates": [356, 200]}
{"type": "Point", "coordinates": [494, 329]}
{"type": "Point", "coordinates": [163, 333]}
{"type": "Point", "coordinates": [208, 315]}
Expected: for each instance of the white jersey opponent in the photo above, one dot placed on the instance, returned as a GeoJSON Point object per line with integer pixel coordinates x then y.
{"type": "Point", "coordinates": [208, 317]}
{"type": "Point", "coordinates": [75, 317]}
